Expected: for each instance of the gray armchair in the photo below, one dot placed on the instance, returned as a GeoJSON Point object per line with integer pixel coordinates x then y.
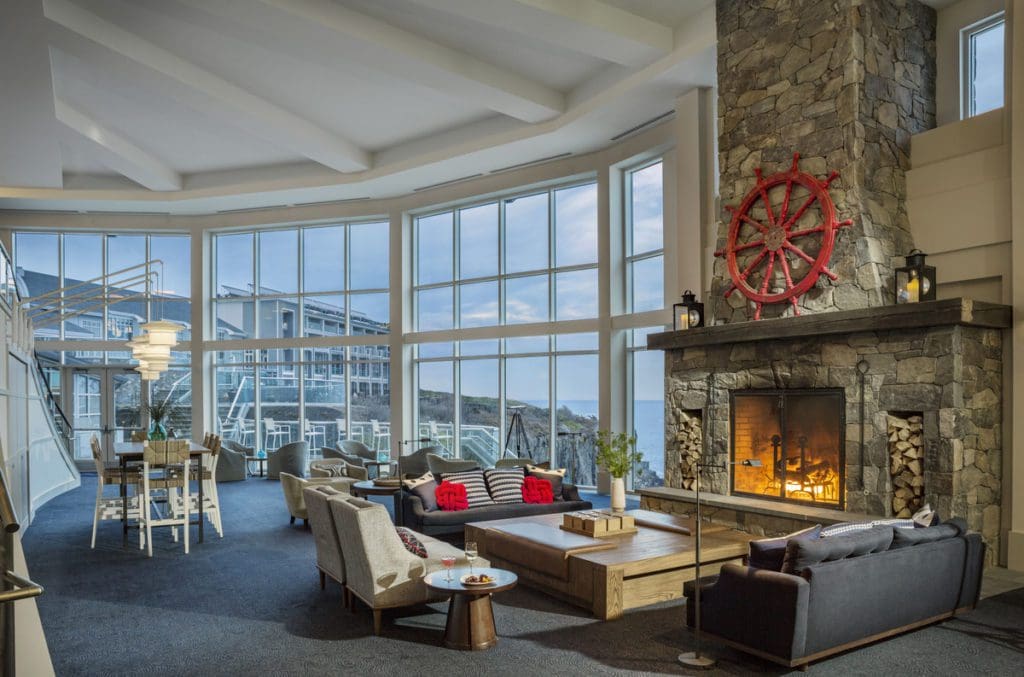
{"type": "Point", "coordinates": [513, 462]}
{"type": "Point", "coordinates": [294, 500]}
{"type": "Point", "coordinates": [292, 458]}
{"type": "Point", "coordinates": [231, 464]}
{"type": "Point", "coordinates": [439, 465]}
{"type": "Point", "coordinates": [337, 467]}
{"type": "Point", "coordinates": [415, 464]}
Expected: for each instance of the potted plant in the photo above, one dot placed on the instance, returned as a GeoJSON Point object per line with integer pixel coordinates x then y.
{"type": "Point", "coordinates": [158, 413]}
{"type": "Point", "coordinates": [616, 453]}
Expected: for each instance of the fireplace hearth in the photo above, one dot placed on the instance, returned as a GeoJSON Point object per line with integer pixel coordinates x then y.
{"type": "Point", "coordinates": [798, 436]}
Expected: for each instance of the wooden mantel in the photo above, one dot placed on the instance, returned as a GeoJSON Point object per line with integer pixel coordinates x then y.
{"type": "Point", "coordinates": [959, 311]}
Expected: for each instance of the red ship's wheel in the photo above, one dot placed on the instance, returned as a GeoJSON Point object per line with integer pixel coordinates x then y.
{"type": "Point", "coordinates": [774, 255]}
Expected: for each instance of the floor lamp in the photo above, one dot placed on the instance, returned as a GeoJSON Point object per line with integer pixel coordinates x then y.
{"type": "Point", "coordinates": [695, 658]}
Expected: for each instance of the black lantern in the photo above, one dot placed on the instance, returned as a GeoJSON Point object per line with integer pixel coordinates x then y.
{"type": "Point", "coordinates": [915, 282]}
{"type": "Point", "coordinates": [689, 313]}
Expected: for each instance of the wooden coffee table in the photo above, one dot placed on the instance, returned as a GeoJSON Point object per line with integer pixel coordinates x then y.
{"type": "Point", "coordinates": [470, 625]}
{"type": "Point", "coordinates": [606, 575]}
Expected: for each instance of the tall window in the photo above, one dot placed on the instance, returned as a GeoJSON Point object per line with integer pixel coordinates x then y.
{"type": "Point", "coordinates": [982, 64]}
{"type": "Point", "coordinates": [645, 244]}
{"type": "Point", "coordinates": [543, 389]}
{"type": "Point", "coordinates": [647, 413]}
{"type": "Point", "coordinates": [77, 262]}
{"type": "Point", "coordinates": [311, 281]}
{"type": "Point", "coordinates": [529, 258]}
{"type": "Point", "coordinates": [268, 398]}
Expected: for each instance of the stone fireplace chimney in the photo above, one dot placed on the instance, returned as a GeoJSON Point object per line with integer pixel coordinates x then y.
{"type": "Point", "coordinates": [845, 83]}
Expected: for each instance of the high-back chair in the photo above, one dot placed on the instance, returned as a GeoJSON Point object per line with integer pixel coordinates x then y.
{"type": "Point", "coordinates": [112, 507]}
{"type": "Point", "coordinates": [378, 568]}
{"type": "Point", "coordinates": [272, 430]}
{"type": "Point", "coordinates": [165, 465]}
{"type": "Point", "coordinates": [330, 559]}
{"type": "Point", "coordinates": [314, 430]}
{"type": "Point", "coordinates": [207, 474]}
{"type": "Point", "coordinates": [293, 487]}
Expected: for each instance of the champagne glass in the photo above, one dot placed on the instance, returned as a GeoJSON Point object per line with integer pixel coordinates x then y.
{"type": "Point", "coordinates": [471, 554]}
{"type": "Point", "coordinates": [448, 561]}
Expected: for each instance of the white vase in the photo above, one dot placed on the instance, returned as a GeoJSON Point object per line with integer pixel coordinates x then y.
{"type": "Point", "coordinates": [618, 494]}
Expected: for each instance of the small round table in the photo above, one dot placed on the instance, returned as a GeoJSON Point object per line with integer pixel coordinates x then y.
{"type": "Point", "coordinates": [261, 464]}
{"type": "Point", "coordinates": [368, 488]}
{"type": "Point", "coordinates": [470, 625]}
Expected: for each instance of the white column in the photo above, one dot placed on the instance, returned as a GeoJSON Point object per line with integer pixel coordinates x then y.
{"type": "Point", "coordinates": [202, 373]}
{"type": "Point", "coordinates": [1015, 445]}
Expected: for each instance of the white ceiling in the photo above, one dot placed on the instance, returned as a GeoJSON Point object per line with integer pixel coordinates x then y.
{"type": "Point", "coordinates": [191, 106]}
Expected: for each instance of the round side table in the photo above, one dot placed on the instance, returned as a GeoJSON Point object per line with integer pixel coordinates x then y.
{"type": "Point", "coordinates": [368, 488]}
{"type": "Point", "coordinates": [470, 625]}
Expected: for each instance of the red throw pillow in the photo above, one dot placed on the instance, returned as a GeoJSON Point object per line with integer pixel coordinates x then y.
{"type": "Point", "coordinates": [451, 496]}
{"type": "Point", "coordinates": [536, 490]}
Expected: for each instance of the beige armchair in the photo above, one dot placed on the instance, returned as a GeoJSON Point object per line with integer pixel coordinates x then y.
{"type": "Point", "coordinates": [330, 560]}
{"type": "Point", "coordinates": [293, 486]}
{"type": "Point", "coordinates": [336, 467]}
{"type": "Point", "coordinates": [378, 568]}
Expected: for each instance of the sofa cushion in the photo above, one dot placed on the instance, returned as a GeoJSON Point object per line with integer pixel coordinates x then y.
{"type": "Point", "coordinates": [451, 497]}
{"type": "Point", "coordinates": [905, 538]}
{"type": "Point", "coordinates": [411, 542]}
{"type": "Point", "coordinates": [555, 477]}
{"type": "Point", "coordinates": [926, 517]}
{"type": "Point", "coordinates": [476, 486]}
{"type": "Point", "coordinates": [425, 487]}
{"type": "Point", "coordinates": [497, 511]}
{"type": "Point", "coordinates": [802, 554]}
{"type": "Point", "coordinates": [505, 485]}
{"type": "Point", "coordinates": [536, 490]}
{"type": "Point", "coordinates": [844, 528]}
{"type": "Point", "coordinates": [895, 523]}
{"type": "Point", "coordinates": [769, 553]}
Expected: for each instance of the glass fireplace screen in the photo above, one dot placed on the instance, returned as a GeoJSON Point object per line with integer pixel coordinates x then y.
{"type": "Point", "coordinates": [798, 435]}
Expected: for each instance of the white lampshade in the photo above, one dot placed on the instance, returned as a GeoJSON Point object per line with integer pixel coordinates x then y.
{"type": "Point", "coordinates": [162, 332]}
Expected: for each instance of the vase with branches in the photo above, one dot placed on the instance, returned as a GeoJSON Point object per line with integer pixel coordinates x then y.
{"type": "Point", "coordinates": [158, 413]}
{"type": "Point", "coordinates": [616, 453]}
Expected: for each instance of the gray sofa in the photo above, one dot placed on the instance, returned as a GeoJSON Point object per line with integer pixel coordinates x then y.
{"type": "Point", "coordinates": [922, 576]}
{"type": "Point", "coordinates": [440, 522]}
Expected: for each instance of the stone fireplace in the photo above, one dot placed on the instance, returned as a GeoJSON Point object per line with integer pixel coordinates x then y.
{"type": "Point", "coordinates": [853, 406]}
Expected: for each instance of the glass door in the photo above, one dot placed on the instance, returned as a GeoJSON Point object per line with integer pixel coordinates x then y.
{"type": "Point", "coordinates": [106, 403]}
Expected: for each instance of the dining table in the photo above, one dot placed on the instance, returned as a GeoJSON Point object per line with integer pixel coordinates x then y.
{"type": "Point", "coordinates": [128, 452]}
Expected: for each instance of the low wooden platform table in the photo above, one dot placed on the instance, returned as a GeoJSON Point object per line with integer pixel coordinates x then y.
{"type": "Point", "coordinates": [470, 625]}
{"type": "Point", "coordinates": [606, 575]}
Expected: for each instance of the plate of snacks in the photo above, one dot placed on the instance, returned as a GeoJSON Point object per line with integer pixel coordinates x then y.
{"type": "Point", "coordinates": [477, 579]}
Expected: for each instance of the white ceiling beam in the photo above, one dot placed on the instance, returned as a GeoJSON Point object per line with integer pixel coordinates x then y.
{"type": "Point", "coordinates": [117, 152]}
{"type": "Point", "coordinates": [416, 58]}
{"type": "Point", "coordinates": [247, 111]}
{"type": "Point", "coordinates": [589, 27]}
{"type": "Point", "coordinates": [29, 154]}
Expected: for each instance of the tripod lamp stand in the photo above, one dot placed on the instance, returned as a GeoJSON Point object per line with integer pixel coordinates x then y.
{"type": "Point", "coordinates": [695, 658]}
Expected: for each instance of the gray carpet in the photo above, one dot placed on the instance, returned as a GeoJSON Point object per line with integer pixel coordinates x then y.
{"type": "Point", "coordinates": [250, 603]}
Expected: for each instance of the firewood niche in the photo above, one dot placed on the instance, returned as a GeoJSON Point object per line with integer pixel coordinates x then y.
{"type": "Point", "coordinates": [906, 458]}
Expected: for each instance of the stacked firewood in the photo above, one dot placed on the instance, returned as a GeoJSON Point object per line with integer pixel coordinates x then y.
{"type": "Point", "coordinates": [906, 459]}
{"type": "Point", "coordinates": [688, 441]}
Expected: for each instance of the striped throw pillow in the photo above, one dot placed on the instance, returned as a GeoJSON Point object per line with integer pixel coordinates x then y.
{"type": "Point", "coordinates": [476, 486]}
{"type": "Point", "coordinates": [505, 485]}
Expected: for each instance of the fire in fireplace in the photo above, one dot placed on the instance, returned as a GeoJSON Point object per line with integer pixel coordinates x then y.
{"type": "Point", "coordinates": [798, 435]}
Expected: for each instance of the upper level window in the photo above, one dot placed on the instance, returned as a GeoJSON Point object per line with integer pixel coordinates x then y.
{"type": "Point", "coordinates": [982, 64]}
{"type": "Point", "coordinates": [104, 277]}
{"type": "Point", "coordinates": [336, 276]}
{"type": "Point", "coordinates": [645, 246]}
{"type": "Point", "coordinates": [528, 258]}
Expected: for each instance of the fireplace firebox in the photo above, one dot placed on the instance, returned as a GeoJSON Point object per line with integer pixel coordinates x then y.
{"type": "Point", "coordinates": [799, 438]}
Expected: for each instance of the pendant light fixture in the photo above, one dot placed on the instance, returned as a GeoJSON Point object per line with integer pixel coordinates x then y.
{"type": "Point", "coordinates": [153, 348]}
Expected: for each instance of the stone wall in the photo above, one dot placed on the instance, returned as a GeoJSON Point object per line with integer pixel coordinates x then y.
{"type": "Point", "coordinates": [845, 83]}
{"type": "Point", "coordinates": [952, 375]}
